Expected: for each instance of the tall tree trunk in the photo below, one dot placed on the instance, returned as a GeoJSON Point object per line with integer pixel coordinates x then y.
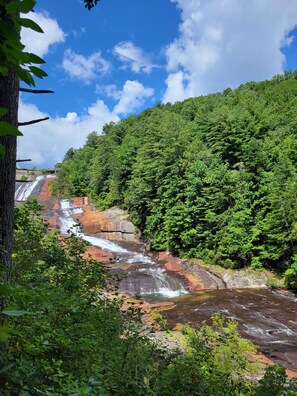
{"type": "Point", "coordinates": [9, 99]}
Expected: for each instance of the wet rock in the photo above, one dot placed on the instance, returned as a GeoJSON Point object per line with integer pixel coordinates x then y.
{"type": "Point", "coordinates": [99, 254]}
{"type": "Point", "coordinates": [198, 277]}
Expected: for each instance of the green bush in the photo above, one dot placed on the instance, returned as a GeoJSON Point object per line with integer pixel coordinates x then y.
{"type": "Point", "coordinates": [63, 332]}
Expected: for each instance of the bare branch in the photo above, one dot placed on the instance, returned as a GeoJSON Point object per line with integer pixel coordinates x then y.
{"type": "Point", "coordinates": [36, 91]}
{"type": "Point", "coordinates": [33, 121]}
{"type": "Point", "coordinates": [23, 160]}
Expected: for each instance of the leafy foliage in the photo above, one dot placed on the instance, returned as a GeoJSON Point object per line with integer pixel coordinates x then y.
{"type": "Point", "coordinates": [63, 331]}
{"type": "Point", "coordinates": [12, 54]}
{"type": "Point", "coordinates": [89, 4]}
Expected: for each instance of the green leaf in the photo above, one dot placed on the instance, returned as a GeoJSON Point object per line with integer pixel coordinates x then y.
{"type": "Point", "coordinates": [6, 368]}
{"type": "Point", "coordinates": [4, 70]}
{"type": "Point", "coordinates": [3, 111]}
{"type": "Point", "coordinates": [38, 72]}
{"type": "Point", "coordinates": [25, 6]}
{"type": "Point", "coordinates": [25, 76]}
{"type": "Point", "coordinates": [34, 58]}
{"type": "Point", "coordinates": [28, 23]}
{"type": "Point", "coordinates": [6, 290]}
{"type": "Point", "coordinates": [15, 313]}
{"type": "Point", "coordinates": [7, 129]}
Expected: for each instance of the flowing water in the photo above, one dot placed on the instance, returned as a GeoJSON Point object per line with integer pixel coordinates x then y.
{"type": "Point", "coordinates": [266, 318]}
{"type": "Point", "coordinates": [24, 190]}
{"type": "Point", "coordinates": [143, 275]}
{"type": "Point", "coordinates": [27, 189]}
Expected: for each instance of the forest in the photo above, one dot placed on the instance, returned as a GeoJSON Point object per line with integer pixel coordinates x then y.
{"type": "Point", "coordinates": [212, 177]}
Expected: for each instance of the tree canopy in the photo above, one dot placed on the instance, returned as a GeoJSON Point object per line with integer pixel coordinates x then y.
{"type": "Point", "coordinates": [213, 177]}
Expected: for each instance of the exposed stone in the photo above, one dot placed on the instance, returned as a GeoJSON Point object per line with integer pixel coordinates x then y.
{"type": "Point", "coordinates": [99, 254]}
{"type": "Point", "coordinates": [112, 224]}
{"type": "Point", "coordinates": [198, 277]}
{"type": "Point", "coordinates": [244, 278]}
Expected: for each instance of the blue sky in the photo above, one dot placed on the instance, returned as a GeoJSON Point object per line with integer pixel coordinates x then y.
{"type": "Point", "coordinates": [124, 56]}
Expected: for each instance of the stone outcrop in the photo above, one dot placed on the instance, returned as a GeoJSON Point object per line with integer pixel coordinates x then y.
{"type": "Point", "coordinates": [198, 278]}
{"type": "Point", "coordinates": [112, 224]}
{"type": "Point", "coordinates": [244, 278]}
{"type": "Point", "coordinates": [209, 278]}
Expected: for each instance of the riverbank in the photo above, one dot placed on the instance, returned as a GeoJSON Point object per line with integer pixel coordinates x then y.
{"type": "Point", "coordinates": [199, 278]}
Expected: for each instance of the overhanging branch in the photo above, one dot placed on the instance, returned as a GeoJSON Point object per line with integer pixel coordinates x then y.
{"type": "Point", "coordinates": [33, 121]}
{"type": "Point", "coordinates": [36, 91]}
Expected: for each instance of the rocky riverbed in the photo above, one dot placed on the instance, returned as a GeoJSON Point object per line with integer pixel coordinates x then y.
{"type": "Point", "coordinates": [191, 291]}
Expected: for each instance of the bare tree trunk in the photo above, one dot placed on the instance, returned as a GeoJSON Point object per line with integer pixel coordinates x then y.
{"type": "Point", "coordinates": [9, 99]}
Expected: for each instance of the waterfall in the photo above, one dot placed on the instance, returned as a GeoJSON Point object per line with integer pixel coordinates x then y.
{"type": "Point", "coordinates": [24, 190]}
{"type": "Point", "coordinates": [143, 277]}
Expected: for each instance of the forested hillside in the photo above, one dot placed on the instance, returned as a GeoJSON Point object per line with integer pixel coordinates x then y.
{"type": "Point", "coordinates": [213, 177]}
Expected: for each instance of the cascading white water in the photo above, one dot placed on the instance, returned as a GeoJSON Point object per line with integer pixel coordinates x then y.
{"type": "Point", "coordinates": [68, 223]}
{"type": "Point", "coordinates": [145, 277]}
{"type": "Point", "coordinates": [24, 190]}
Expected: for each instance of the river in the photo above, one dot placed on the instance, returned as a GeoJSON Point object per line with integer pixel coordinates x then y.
{"type": "Point", "coordinates": [265, 317]}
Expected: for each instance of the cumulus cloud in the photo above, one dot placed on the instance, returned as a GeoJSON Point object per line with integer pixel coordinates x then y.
{"type": "Point", "coordinates": [39, 43]}
{"type": "Point", "coordinates": [83, 68]}
{"type": "Point", "coordinates": [132, 96]}
{"type": "Point", "coordinates": [133, 57]}
{"type": "Point", "coordinates": [46, 143]}
{"type": "Point", "coordinates": [223, 43]}
{"type": "Point", "coordinates": [177, 87]}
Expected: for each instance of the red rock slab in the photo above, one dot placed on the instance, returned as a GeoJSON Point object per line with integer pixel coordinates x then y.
{"type": "Point", "coordinates": [174, 264]}
{"type": "Point", "coordinates": [269, 362]}
{"type": "Point", "coordinates": [79, 202]}
{"type": "Point", "coordinates": [45, 196]}
{"type": "Point", "coordinates": [98, 254]}
{"type": "Point", "coordinates": [93, 221]}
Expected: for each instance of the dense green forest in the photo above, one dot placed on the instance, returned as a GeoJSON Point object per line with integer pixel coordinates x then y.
{"type": "Point", "coordinates": [212, 177]}
{"type": "Point", "coordinates": [62, 333]}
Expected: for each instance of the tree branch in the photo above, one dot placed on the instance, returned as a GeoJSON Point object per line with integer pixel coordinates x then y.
{"type": "Point", "coordinates": [23, 160]}
{"type": "Point", "coordinates": [36, 91]}
{"type": "Point", "coordinates": [33, 121]}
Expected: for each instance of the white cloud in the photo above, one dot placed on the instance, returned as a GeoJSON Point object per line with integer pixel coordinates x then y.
{"type": "Point", "coordinates": [176, 87]}
{"type": "Point", "coordinates": [133, 57]}
{"type": "Point", "coordinates": [46, 143]}
{"type": "Point", "coordinates": [132, 97]}
{"type": "Point", "coordinates": [110, 90]}
{"type": "Point", "coordinates": [38, 43]}
{"type": "Point", "coordinates": [84, 68]}
{"type": "Point", "coordinates": [224, 43]}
